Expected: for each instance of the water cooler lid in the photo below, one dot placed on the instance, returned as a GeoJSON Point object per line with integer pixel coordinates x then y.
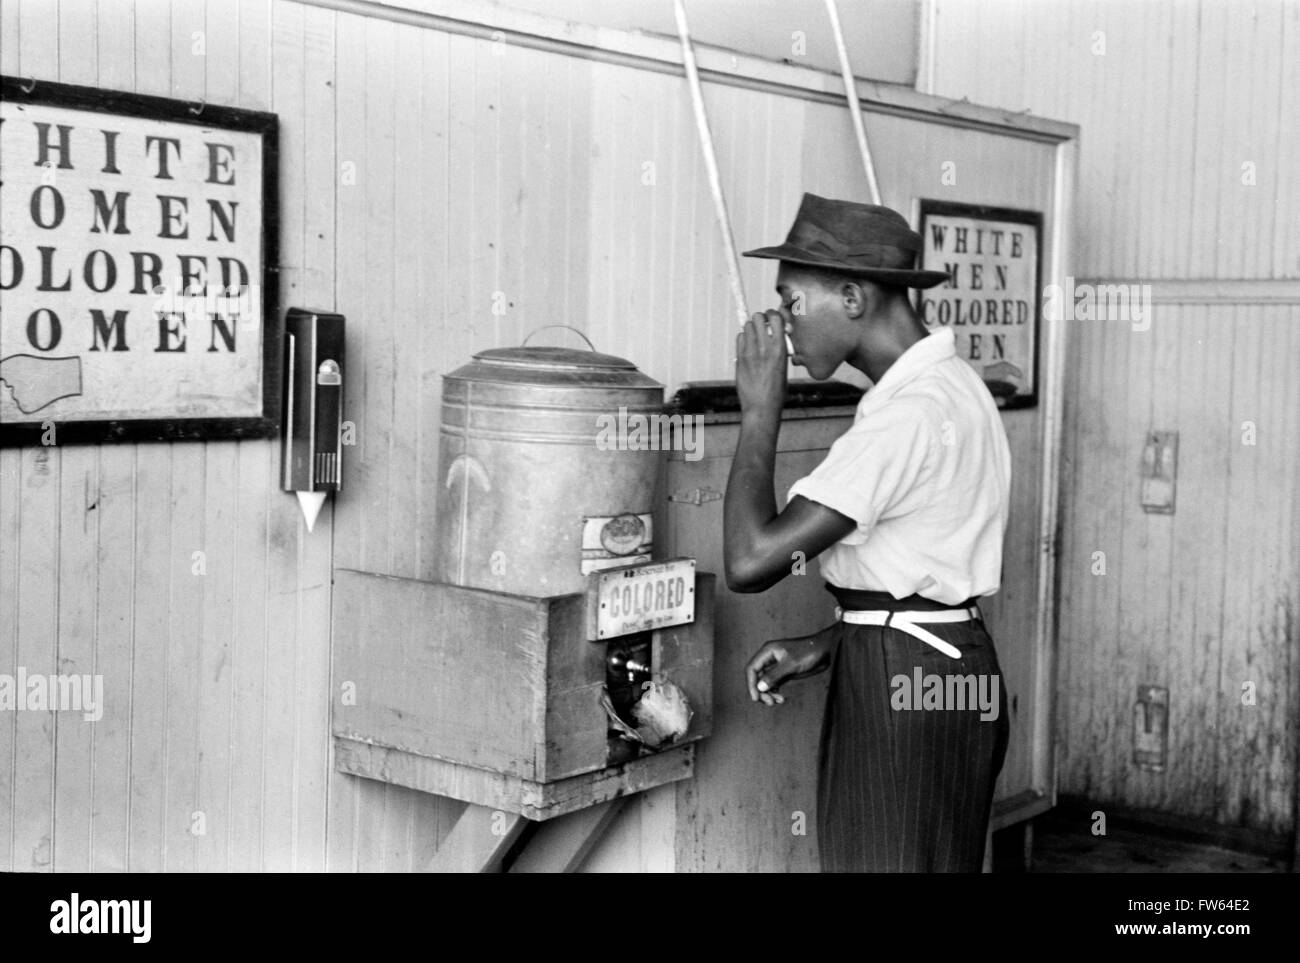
{"type": "Point", "coordinates": [553, 366]}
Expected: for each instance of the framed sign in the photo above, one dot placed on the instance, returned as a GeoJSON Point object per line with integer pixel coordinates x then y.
{"type": "Point", "coordinates": [138, 268]}
{"type": "Point", "coordinates": [992, 298]}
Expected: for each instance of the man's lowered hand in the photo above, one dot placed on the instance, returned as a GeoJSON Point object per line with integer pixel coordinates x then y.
{"type": "Point", "coordinates": [781, 660]}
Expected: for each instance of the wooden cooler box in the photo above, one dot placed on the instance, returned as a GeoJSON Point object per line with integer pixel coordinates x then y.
{"type": "Point", "coordinates": [496, 699]}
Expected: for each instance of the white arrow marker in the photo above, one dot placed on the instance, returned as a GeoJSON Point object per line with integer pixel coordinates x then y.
{"type": "Point", "coordinates": [311, 503]}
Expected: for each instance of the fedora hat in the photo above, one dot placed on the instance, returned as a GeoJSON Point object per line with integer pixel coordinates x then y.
{"type": "Point", "coordinates": [866, 240]}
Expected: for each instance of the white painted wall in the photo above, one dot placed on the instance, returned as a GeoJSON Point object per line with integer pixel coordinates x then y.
{"type": "Point", "coordinates": [1186, 183]}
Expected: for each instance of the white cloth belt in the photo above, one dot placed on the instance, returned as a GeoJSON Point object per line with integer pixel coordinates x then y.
{"type": "Point", "coordinates": [907, 622]}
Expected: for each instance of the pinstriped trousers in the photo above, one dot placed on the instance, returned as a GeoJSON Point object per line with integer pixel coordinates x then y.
{"type": "Point", "coordinates": [906, 789]}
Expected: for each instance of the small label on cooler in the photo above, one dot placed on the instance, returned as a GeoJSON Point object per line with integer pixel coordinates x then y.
{"type": "Point", "coordinates": [612, 540]}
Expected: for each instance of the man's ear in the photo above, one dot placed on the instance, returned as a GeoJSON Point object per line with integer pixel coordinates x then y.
{"type": "Point", "coordinates": [855, 299]}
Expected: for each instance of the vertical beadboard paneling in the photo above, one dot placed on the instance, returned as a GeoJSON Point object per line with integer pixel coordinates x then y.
{"type": "Point", "coordinates": [10, 38]}
{"type": "Point", "coordinates": [1271, 629]}
{"type": "Point", "coordinates": [10, 485]}
{"type": "Point", "coordinates": [1139, 614]}
{"type": "Point", "coordinates": [221, 584]}
{"type": "Point", "coordinates": [1198, 589]}
{"type": "Point", "coordinates": [286, 535]}
{"type": "Point", "coordinates": [211, 712]}
{"type": "Point", "coordinates": [345, 795]}
{"type": "Point", "coordinates": [397, 378]}
{"type": "Point", "coordinates": [382, 84]}
{"type": "Point", "coordinates": [1247, 539]}
{"type": "Point", "coordinates": [1072, 558]}
{"type": "Point", "coordinates": [1159, 652]}
{"type": "Point", "coordinates": [389, 178]}
{"type": "Point", "coordinates": [1153, 115]}
{"type": "Point", "coordinates": [466, 304]}
{"type": "Point", "coordinates": [1282, 616]}
{"type": "Point", "coordinates": [1280, 612]}
{"type": "Point", "coordinates": [77, 572]}
{"type": "Point", "coordinates": [1209, 445]}
{"type": "Point", "coordinates": [573, 110]}
{"type": "Point", "coordinates": [1115, 437]}
{"type": "Point", "coordinates": [312, 761]}
{"type": "Point", "coordinates": [430, 306]}
{"type": "Point", "coordinates": [1174, 168]}
{"type": "Point", "coordinates": [146, 805]}
{"type": "Point", "coordinates": [184, 822]}
{"type": "Point", "coordinates": [1266, 144]}
{"type": "Point", "coordinates": [36, 601]}
{"type": "Point", "coordinates": [376, 183]}
{"type": "Point", "coordinates": [183, 601]}
{"type": "Point", "coordinates": [1211, 121]}
{"type": "Point", "coordinates": [1285, 192]}
{"type": "Point", "coordinates": [408, 314]}
{"type": "Point", "coordinates": [153, 563]}
{"type": "Point", "coordinates": [113, 509]}
{"type": "Point", "coordinates": [604, 162]}
{"type": "Point", "coordinates": [350, 269]}
{"type": "Point", "coordinates": [36, 597]}
{"type": "Point", "coordinates": [254, 475]}
{"type": "Point", "coordinates": [257, 484]}
{"type": "Point", "coordinates": [1183, 96]}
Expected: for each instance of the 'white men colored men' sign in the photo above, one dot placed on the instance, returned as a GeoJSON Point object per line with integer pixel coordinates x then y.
{"type": "Point", "coordinates": [990, 299]}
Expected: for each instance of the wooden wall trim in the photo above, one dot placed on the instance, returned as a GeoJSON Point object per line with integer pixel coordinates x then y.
{"type": "Point", "coordinates": [663, 55]}
{"type": "Point", "coordinates": [1212, 290]}
{"type": "Point", "coordinates": [1049, 527]}
{"type": "Point", "coordinates": [926, 45]}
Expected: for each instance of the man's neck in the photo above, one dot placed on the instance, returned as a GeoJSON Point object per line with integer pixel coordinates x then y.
{"type": "Point", "coordinates": [885, 339]}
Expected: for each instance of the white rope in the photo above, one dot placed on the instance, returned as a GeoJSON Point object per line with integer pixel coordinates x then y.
{"type": "Point", "coordinates": [855, 108]}
{"type": "Point", "coordinates": [711, 161]}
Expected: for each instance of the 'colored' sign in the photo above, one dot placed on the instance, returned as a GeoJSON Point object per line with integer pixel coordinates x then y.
{"type": "Point", "coordinates": [640, 597]}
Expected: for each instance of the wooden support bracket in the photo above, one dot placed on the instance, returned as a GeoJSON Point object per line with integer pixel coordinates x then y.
{"type": "Point", "coordinates": [478, 841]}
{"type": "Point", "coordinates": [560, 845]}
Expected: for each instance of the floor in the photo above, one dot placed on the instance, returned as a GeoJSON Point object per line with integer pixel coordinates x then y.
{"type": "Point", "coordinates": [1068, 846]}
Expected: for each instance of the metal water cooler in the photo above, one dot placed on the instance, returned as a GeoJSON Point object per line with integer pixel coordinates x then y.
{"type": "Point", "coordinates": [540, 490]}
{"type": "Point", "coordinates": [520, 679]}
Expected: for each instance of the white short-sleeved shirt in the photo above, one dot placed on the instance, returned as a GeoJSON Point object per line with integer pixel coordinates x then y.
{"type": "Point", "coordinates": [925, 471]}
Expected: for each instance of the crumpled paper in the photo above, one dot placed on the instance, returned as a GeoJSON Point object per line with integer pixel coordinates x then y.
{"type": "Point", "coordinates": [622, 728]}
{"type": "Point", "coordinates": [662, 714]}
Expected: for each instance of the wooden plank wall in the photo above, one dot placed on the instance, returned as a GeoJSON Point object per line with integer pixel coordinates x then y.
{"type": "Point", "coordinates": [177, 571]}
{"type": "Point", "coordinates": [1206, 600]}
{"type": "Point", "coordinates": [446, 194]}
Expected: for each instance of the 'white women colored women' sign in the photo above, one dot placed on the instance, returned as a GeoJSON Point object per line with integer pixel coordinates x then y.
{"type": "Point", "coordinates": [131, 253]}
